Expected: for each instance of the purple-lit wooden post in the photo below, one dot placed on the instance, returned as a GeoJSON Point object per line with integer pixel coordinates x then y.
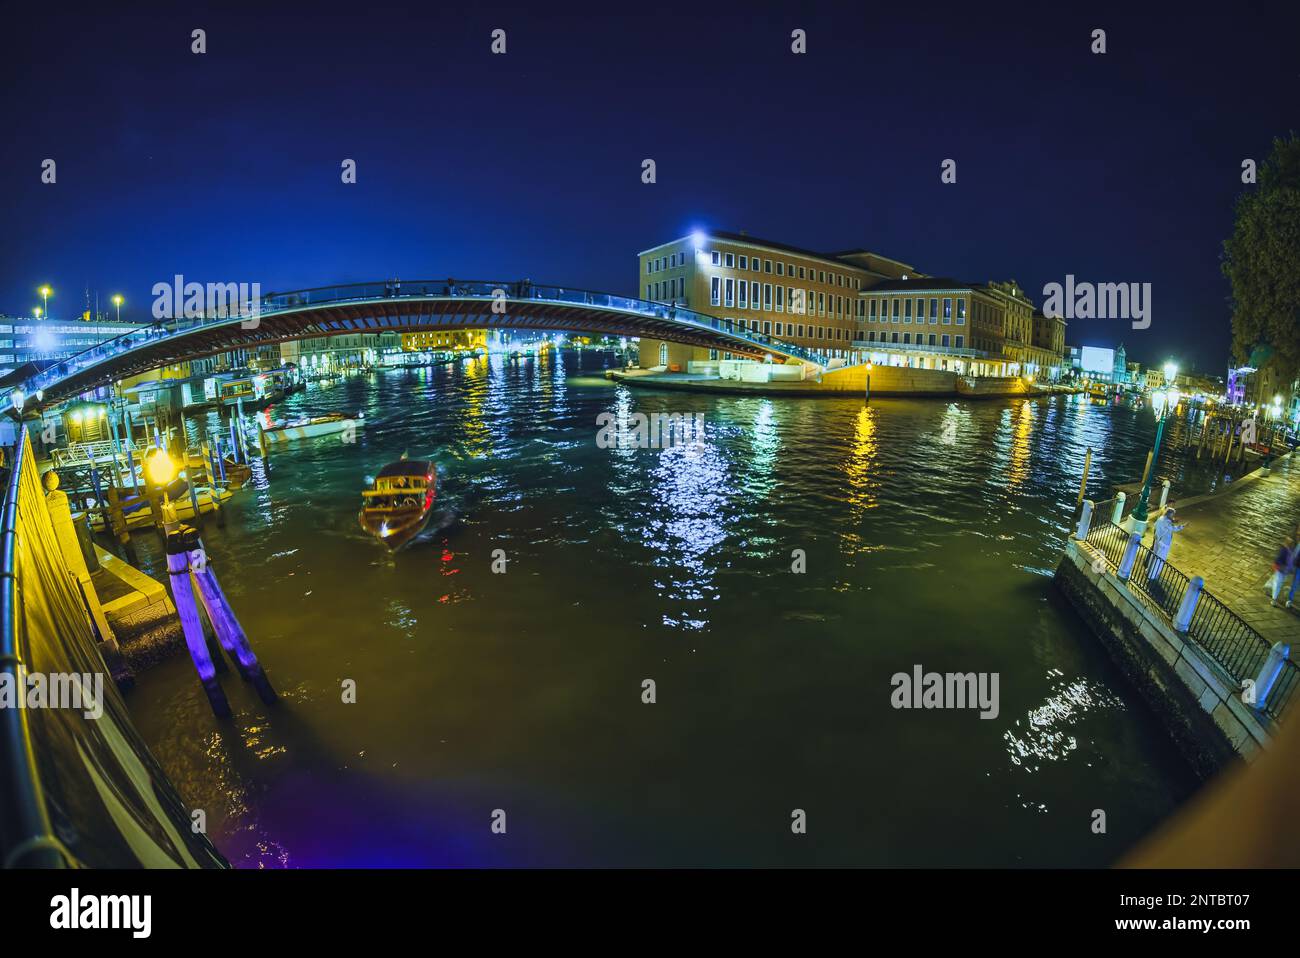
{"type": "Point", "coordinates": [181, 540]}
{"type": "Point", "coordinates": [229, 632]}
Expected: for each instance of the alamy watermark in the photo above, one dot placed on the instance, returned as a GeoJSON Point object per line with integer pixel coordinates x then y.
{"type": "Point", "coordinates": [1098, 301]}
{"type": "Point", "coordinates": [80, 691]}
{"type": "Point", "coordinates": [179, 299]}
{"type": "Point", "coordinates": [658, 430]}
{"type": "Point", "coordinates": [946, 690]}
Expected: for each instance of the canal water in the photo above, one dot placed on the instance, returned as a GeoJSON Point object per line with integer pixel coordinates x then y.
{"type": "Point", "coordinates": [927, 530]}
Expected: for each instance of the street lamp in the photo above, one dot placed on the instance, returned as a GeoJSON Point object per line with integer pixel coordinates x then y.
{"type": "Point", "coordinates": [1163, 403]}
{"type": "Point", "coordinates": [117, 301]}
{"type": "Point", "coordinates": [46, 293]}
{"type": "Point", "coordinates": [870, 366]}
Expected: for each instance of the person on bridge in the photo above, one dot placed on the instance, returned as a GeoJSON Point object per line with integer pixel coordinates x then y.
{"type": "Point", "coordinates": [1164, 539]}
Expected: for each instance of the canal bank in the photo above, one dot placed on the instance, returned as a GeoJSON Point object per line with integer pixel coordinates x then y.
{"type": "Point", "coordinates": [1197, 634]}
{"type": "Point", "coordinates": [885, 382]}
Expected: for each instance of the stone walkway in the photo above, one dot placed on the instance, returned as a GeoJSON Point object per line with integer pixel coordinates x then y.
{"type": "Point", "coordinates": [1231, 539]}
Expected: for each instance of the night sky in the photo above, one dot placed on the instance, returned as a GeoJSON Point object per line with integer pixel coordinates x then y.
{"type": "Point", "coordinates": [225, 167]}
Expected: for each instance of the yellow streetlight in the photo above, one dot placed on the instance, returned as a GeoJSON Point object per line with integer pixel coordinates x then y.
{"type": "Point", "coordinates": [117, 301]}
{"type": "Point", "coordinates": [46, 293]}
{"type": "Point", "coordinates": [159, 468]}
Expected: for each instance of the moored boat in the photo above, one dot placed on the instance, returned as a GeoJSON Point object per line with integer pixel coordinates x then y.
{"type": "Point", "coordinates": [311, 428]}
{"type": "Point", "coordinates": [397, 507]}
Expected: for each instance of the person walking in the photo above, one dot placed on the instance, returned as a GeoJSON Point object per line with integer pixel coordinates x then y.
{"type": "Point", "coordinates": [1283, 563]}
{"type": "Point", "coordinates": [1164, 539]}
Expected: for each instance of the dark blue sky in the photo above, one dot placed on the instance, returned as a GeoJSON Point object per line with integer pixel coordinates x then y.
{"type": "Point", "coordinates": [225, 167]}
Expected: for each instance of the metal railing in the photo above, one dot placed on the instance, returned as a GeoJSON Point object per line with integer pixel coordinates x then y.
{"type": "Point", "coordinates": [1225, 638]}
{"type": "Point", "coordinates": [485, 291]}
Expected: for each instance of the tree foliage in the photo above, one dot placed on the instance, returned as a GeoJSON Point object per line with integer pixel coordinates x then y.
{"type": "Point", "coordinates": [1262, 262]}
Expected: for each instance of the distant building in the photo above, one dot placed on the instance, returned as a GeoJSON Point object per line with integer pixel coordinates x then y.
{"type": "Point", "coordinates": [438, 340]}
{"type": "Point", "coordinates": [38, 340]}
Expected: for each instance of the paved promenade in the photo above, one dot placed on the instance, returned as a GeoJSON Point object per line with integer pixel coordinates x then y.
{"type": "Point", "coordinates": [1230, 541]}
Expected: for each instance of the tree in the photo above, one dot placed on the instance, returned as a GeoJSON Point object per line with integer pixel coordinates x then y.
{"type": "Point", "coordinates": [1262, 262]}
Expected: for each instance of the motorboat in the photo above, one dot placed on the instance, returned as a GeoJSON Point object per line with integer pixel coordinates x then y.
{"type": "Point", "coordinates": [313, 427]}
{"type": "Point", "coordinates": [396, 508]}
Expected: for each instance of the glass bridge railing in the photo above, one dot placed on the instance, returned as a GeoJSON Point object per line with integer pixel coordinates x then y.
{"type": "Point", "coordinates": [518, 291]}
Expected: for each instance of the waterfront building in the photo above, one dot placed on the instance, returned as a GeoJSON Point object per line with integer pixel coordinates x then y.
{"type": "Point", "coordinates": [846, 306]}
{"type": "Point", "coordinates": [336, 353]}
{"type": "Point", "coordinates": [26, 340]}
{"type": "Point", "coordinates": [791, 294]}
{"type": "Point", "coordinates": [440, 340]}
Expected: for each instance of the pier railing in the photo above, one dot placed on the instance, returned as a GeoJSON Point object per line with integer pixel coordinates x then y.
{"type": "Point", "coordinates": [78, 785]}
{"type": "Point", "coordinates": [1193, 612]}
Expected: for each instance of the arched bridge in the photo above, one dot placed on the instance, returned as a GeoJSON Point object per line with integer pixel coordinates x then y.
{"type": "Point", "coordinates": [400, 306]}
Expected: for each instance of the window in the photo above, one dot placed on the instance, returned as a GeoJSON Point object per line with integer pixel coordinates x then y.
{"type": "Point", "coordinates": [801, 330]}
{"type": "Point", "coordinates": [767, 296]}
{"type": "Point", "coordinates": [743, 301]}
{"type": "Point", "coordinates": [894, 319]}
{"type": "Point", "coordinates": [648, 293]}
{"type": "Point", "coordinates": [920, 310]}
{"type": "Point", "coordinates": [715, 290]}
{"type": "Point", "coordinates": [780, 297]}
{"type": "Point", "coordinates": [731, 261]}
{"type": "Point", "coordinates": [932, 339]}
{"type": "Point", "coordinates": [944, 339]}
{"type": "Point", "coordinates": [753, 294]}
{"type": "Point", "coordinates": [801, 276]}
{"type": "Point", "coordinates": [947, 310]}
{"type": "Point", "coordinates": [960, 341]}
{"type": "Point", "coordinates": [873, 310]}
{"type": "Point", "coordinates": [753, 263]}
{"type": "Point", "coordinates": [839, 279]}
{"type": "Point", "coordinates": [893, 337]}
{"type": "Point", "coordinates": [934, 309]}
{"type": "Point", "coordinates": [780, 269]}
{"type": "Point", "coordinates": [961, 312]}
{"type": "Point", "coordinates": [821, 276]}
{"type": "Point", "coordinates": [907, 338]}
{"type": "Point", "coordinates": [907, 310]}
{"type": "Point", "coordinates": [767, 266]}
{"type": "Point", "coordinates": [821, 332]}
{"type": "Point", "coordinates": [778, 327]}
{"type": "Point", "coordinates": [717, 258]}
{"type": "Point", "coordinates": [767, 328]}
{"type": "Point", "coordinates": [744, 262]}
{"type": "Point", "coordinates": [649, 266]}
{"type": "Point", "coordinates": [731, 292]}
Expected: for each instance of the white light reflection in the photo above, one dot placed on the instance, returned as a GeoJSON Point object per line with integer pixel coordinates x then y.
{"type": "Point", "coordinates": [687, 521]}
{"type": "Point", "coordinates": [1047, 733]}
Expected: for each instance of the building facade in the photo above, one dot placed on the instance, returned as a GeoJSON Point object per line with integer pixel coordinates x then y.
{"type": "Point", "coordinates": [440, 340]}
{"type": "Point", "coordinates": [49, 340]}
{"type": "Point", "coordinates": [849, 306]}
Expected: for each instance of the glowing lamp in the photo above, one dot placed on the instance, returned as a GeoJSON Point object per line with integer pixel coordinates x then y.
{"type": "Point", "coordinates": [159, 468]}
{"type": "Point", "coordinates": [17, 398]}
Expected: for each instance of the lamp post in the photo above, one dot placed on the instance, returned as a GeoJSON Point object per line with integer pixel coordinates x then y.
{"type": "Point", "coordinates": [1163, 403]}
{"type": "Point", "coordinates": [117, 301]}
{"type": "Point", "coordinates": [46, 293]}
{"type": "Point", "coordinates": [870, 365]}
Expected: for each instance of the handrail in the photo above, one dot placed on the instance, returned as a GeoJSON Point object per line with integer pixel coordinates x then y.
{"type": "Point", "coordinates": [488, 290]}
{"type": "Point", "coordinates": [29, 839]}
{"type": "Point", "coordinates": [1214, 628]}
